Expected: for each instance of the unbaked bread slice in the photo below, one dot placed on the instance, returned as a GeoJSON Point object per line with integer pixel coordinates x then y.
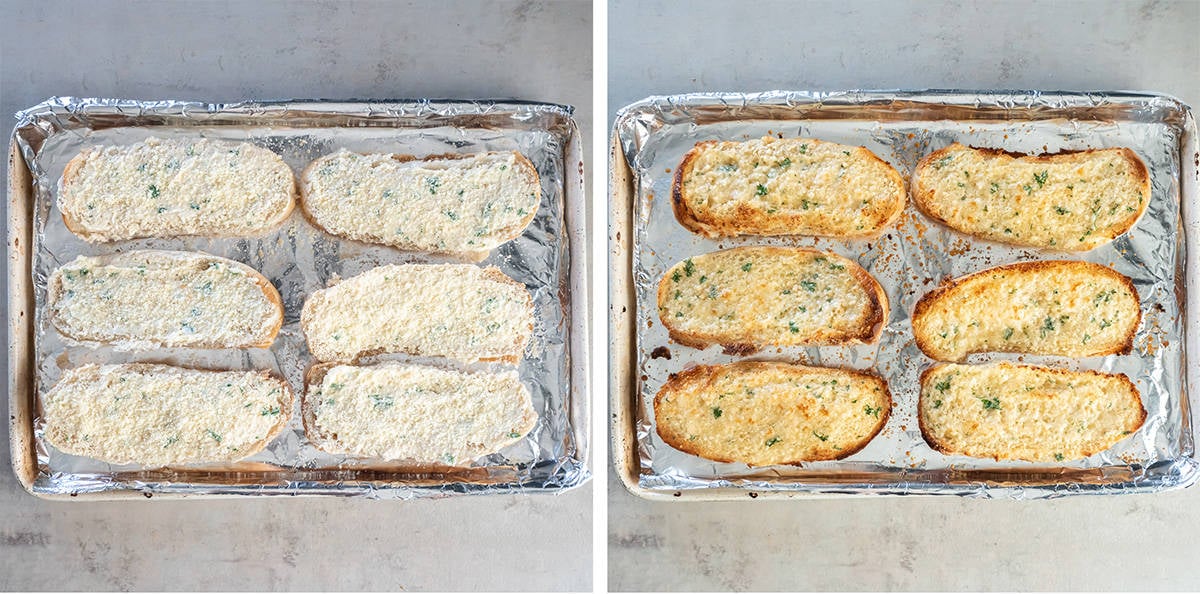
{"type": "Point", "coordinates": [465, 205]}
{"type": "Point", "coordinates": [427, 415]}
{"type": "Point", "coordinates": [1025, 412]}
{"type": "Point", "coordinates": [747, 298]}
{"type": "Point", "coordinates": [145, 299]}
{"type": "Point", "coordinates": [459, 311]}
{"type": "Point", "coordinates": [1055, 307]}
{"type": "Point", "coordinates": [158, 415]}
{"type": "Point", "coordinates": [792, 186]}
{"type": "Point", "coordinates": [763, 413]}
{"type": "Point", "coordinates": [1071, 201]}
{"type": "Point", "coordinates": [170, 188]}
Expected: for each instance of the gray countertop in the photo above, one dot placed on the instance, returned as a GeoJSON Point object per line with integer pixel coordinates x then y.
{"type": "Point", "coordinates": [228, 51]}
{"type": "Point", "coordinates": [1102, 543]}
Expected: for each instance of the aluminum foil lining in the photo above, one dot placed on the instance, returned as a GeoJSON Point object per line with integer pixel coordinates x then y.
{"type": "Point", "coordinates": [299, 259]}
{"type": "Point", "coordinates": [913, 257]}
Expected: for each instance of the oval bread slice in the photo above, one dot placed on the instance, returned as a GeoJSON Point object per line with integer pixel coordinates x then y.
{"type": "Point", "coordinates": [153, 298]}
{"type": "Point", "coordinates": [763, 413]}
{"type": "Point", "coordinates": [157, 415]}
{"type": "Point", "coordinates": [750, 297]}
{"type": "Point", "coordinates": [397, 411]}
{"type": "Point", "coordinates": [169, 188]}
{"type": "Point", "coordinates": [1057, 307]}
{"type": "Point", "coordinates": [1025, 412]}
{"type": "Point", "coordinates": [465, 205]}
{"type": "Point", "coordinates": [460, 311]}
{"type": "Point", "coordinates": [1072, 201]}
{"type": "Point", "coordinates": [793, 186]}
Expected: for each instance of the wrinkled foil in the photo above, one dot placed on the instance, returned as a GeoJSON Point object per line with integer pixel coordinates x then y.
{"type": "Point", "coordinates": [913, 257]}
{"type": "Point", "coordinates": [299, 259]}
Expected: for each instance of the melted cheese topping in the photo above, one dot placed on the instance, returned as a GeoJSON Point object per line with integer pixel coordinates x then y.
{"type": "Point", "coordinates": [1072, 202]}
{"type": "Point", "coordinates": [166, 188]}
{"type": "Point", "coordinates": [1073, 309]}
{"type": "Point", "coordinates": [794, 186]}
{"type": "Point", "coordinates": [771, 413]}
{"type": "Point", "coordinates": [411, 412]}
{"type": "Point", "coordinates": [1020, 412]}
{"type": "Point", "coordinates": [444, 205]}
{"type": "Point", "coordinates": [767, 295]}
{"type": "Point", "coordinates": [156, 415]}
{"type": "Point", "coordinates": [448, 310]}
{"type": "Point", "coordinates": [147, 299]}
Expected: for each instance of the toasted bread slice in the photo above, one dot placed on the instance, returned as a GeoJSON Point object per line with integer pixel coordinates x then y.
{"type": "Point", "coordinates": [170, 188]}
{"type": "Point", "coordinates": [459, 311]}
{"type": "Point", "coordinates": [1071, 201]}
{"type": "Point", "coordinates": [764, 413]}
{"type": "Point", "coordinates": [1056, 307]}
{"type": "Point", "coordinates": [155, 298]}
{"type": "Point", "coordinates": [465, 205]}
{"type": "Point", "coordinates": [427, 415]}
{"type": "Point", "coordinates": [1025, 412]}
{"type": "Point", "coordinates": [793, 186]}
{"type": "Point", "coordinates": [158, 415]}
{"type": "Point", "coordinates": [749, 297]}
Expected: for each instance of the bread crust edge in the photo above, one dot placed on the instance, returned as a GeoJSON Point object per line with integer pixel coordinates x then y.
{"type": "Point", "coordinates": [710, 372]}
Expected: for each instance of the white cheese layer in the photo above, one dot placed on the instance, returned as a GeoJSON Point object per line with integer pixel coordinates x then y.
{"type": "Point", "coordinates": [156, 415]}
{"type": "Point", "coordinates": [167, 188]}
{"type": "Point", "coordinates": [395, 411]}
{"type": "Point", "coordinates": [149, 298]}
{"type": "Point", "coordinates": [458, 311]}
{"type": "Point", "coordinates": [450, 205]}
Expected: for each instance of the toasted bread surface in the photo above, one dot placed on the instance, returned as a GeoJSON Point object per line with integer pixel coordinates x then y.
{"type": "Point", "coordinates": [396, 411]}
{"type": "Point", "coordinates": [792, 186]}
{"type": "Point", "coordinates": [1025, 412]}
{"type": "Point", "coordinates": [749, 297]}
{"type": "Point", "coordinates": [157, 415]}
{"type": "Point", "coordinates": [465, 205]}
{"type": "Point", "coordinates": [1056, 307]}
{"type": "Point", "coordinates": [764, 413]}
{"type": "Point", "coordinates": [1070, 201]}
{"type": "Point", "coordinates": [155, 298]}
{"type": "Point", "coordinates": [459, 311]}
{"type": "Point", "coordinates": [169, 188]}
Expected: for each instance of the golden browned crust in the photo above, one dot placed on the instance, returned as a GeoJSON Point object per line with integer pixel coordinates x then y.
{"type": "Point", "coordinates": [509, 233]}
{"type": "Point", "coordinates": [929, 299]}
{"type": "Point", "coordinates": [923, 196]}
{"type": "Point", "coordinates": [744, 344]}
{"type": "Point", "coordinates": [752, 221]}
{"type": "Point", "coordinates": [708, 374]}
{"type": "Point", "coordinates": [947, 450]}
{"type": "Point", "coordinates": [54, 291]}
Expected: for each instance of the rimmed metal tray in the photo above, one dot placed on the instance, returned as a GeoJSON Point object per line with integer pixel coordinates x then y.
{"type": "Point", "coordinates": [549, 259]}
{"type": "Point", "coordinates": [911, 258]}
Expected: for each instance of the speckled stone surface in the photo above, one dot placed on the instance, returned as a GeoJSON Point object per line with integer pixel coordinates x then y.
{"type": "Point", "coordinates": [1130, 542]}
{"type": "Point", "coordinates": [226, 51]}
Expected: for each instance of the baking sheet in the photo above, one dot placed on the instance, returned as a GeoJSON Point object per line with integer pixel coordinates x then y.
{"type": "Point", "coordinates": [299, 259]}
{"type": "Point", "coordinates": [909, 259]}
